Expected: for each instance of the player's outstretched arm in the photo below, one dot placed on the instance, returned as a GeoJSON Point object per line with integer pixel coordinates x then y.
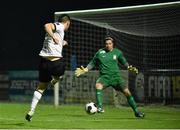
{"type": "Point", "coordinates": [132, 69]}
{"type": "Point", "coordinates": [80, 71]}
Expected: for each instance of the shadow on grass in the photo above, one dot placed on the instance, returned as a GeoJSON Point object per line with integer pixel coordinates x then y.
{"type": "Point", "coordinates": [12, 124]}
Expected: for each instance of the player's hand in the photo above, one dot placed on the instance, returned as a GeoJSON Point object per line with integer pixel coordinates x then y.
{"type": "Point", "coordinates": [133, 69]}
{"type": "Point", "coordinates": [65, 43]}
{"type": "Point", "coordinates": [80, 71]}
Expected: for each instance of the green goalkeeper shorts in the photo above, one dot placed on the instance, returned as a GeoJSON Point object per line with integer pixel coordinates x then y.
{"type": "Point", "coordinates": [114, 81]}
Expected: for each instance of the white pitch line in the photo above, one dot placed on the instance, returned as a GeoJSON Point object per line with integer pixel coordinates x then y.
{"type": "Point", "coordinates": [102, 120]}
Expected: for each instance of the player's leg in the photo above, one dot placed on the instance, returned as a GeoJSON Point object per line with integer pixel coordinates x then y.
{"type": "Point", "coordinates": [44, 79]}
{"type": "Point", "coordinates": [132, 103]}
{"type": "Point", "coordinates": [101, 82]}
{"type": "Point", "coordinates": [36, 97]}
{"type": "Point", "coordinates": [130, 99]}
{"type": "Point", "coordinates": [99, 97]}
{"type": "Point", "coordinates": [120, 85]}
{"type": "Point", "coordinates": [57, 71]}
{"type": "Point", "coordinates": [55, 79]}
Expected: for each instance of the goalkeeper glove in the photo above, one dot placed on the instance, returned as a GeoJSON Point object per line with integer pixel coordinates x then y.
{"type": "Point", "coordinates": [80, 71]}
{"type": "Point", "coordinates": [133, 69]}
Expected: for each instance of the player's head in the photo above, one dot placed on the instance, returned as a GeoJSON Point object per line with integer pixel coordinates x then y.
{"type": "Point", "coordinates": [109, 43]}
{"type": "Point", "coordinates": [65, 19]}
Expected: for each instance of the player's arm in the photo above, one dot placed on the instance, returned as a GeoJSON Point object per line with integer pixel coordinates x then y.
{"type": "Point", "coordinates": [82, 70]}
{"type": "Point", "coordinates": [123, 61]}
{"type": "Point", "coordinates": [50, 28]}
{"type": "Point", "coordinates": [133, 69]}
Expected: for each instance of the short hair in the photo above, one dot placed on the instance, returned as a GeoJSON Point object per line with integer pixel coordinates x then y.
{"type": "Point", "coordinates": [64, 18]}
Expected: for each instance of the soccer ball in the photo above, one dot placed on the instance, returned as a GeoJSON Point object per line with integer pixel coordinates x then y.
{"type": "Point", "coordinates": [91, 108]}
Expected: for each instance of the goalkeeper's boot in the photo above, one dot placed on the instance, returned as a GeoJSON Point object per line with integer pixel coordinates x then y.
{"type": "Point", "coordinates": [29, 115]}
{"type": "Point", "coordinates": [140, 114]}
{"type": "Point", "coordinates": [100, 110]}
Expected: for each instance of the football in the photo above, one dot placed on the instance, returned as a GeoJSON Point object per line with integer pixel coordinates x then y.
{"type": "Point", "coordinates": [91, 108]}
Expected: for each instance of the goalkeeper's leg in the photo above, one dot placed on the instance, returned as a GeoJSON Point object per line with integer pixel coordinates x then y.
{"type": "Point", "coordinates": [132, 103]}
{"type": "Point", "coordinates": [99, 97]}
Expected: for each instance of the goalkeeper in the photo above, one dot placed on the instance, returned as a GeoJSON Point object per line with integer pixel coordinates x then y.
{"type": "Point", "coordinates": [107, 59]}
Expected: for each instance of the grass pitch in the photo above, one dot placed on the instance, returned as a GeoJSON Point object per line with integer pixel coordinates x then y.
{"type": "Point", "coordinates": [74, 117]}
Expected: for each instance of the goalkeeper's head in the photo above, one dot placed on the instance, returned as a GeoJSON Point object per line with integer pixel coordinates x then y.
{"type": "Point", "coordinates": [109, 43]}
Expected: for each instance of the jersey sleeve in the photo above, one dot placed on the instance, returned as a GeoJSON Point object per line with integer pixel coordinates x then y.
{"type": "Point", "coordinates": [122, 59]}
{"type": "Point", "coordinates": [93, 62]}
{"type": "Point", "coordinates": [57, 26]}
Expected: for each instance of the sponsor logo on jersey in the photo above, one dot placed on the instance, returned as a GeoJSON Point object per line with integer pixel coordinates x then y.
{"type": "Point", "coordinates": [102, 52]}
{"type": "Point", "coordinates": [114, 57]}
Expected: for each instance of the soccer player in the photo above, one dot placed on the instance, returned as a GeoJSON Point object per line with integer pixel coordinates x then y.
{"type": "Point", "coordinates": [51, 66]}
{"type": "Point", "coordinates": [107, 59]}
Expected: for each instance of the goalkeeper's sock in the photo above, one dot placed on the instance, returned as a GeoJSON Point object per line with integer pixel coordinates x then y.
{"type": "Point", "coordinates": [99, 98]}
{"type": "Point", "coordinates": [36, 97]}
{"type": "Point", "coordinates": [132, 103]}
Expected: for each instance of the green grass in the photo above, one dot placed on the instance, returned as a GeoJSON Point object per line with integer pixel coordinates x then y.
{"type": "Point", "coordinates": [74, 117]}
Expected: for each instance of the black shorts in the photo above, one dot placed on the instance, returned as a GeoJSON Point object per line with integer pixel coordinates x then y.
{"type": "Point", "coordinates": [48, 68]}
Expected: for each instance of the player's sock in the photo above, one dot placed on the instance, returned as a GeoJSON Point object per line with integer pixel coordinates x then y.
{"type": "Point", "coordinates": [36, 97]}
{"type": "Point", "coordinates": [99, 98]}
{"type": "Point", "coordinates": [132, 103]}
{"type": "Point", "coordinates": [55, 80]}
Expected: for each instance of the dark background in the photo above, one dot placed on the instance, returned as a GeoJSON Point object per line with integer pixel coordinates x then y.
{"type": "Point", "coordinates": [22, 31]}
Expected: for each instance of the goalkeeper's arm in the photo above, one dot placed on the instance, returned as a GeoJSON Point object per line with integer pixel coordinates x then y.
{"type": "Point", "coordinates": [82, 70]}
{"type": "Point", "coordinates": [131, 68]}
{"type": "Point", "coordinates": [123, 61]}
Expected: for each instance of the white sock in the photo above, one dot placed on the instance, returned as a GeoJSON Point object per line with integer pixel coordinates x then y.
{"type": "Point", "coordinates": [36, 97]}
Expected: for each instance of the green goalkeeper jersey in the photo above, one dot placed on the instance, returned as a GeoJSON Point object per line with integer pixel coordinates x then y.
{"type": "Point", "coordinates": [107, 61]}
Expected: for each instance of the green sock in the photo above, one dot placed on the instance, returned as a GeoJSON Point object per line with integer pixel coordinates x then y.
{"type": "Point", "coordinates": [99, 98]}
{"type": "Point", "coordinates": [132, 103]}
